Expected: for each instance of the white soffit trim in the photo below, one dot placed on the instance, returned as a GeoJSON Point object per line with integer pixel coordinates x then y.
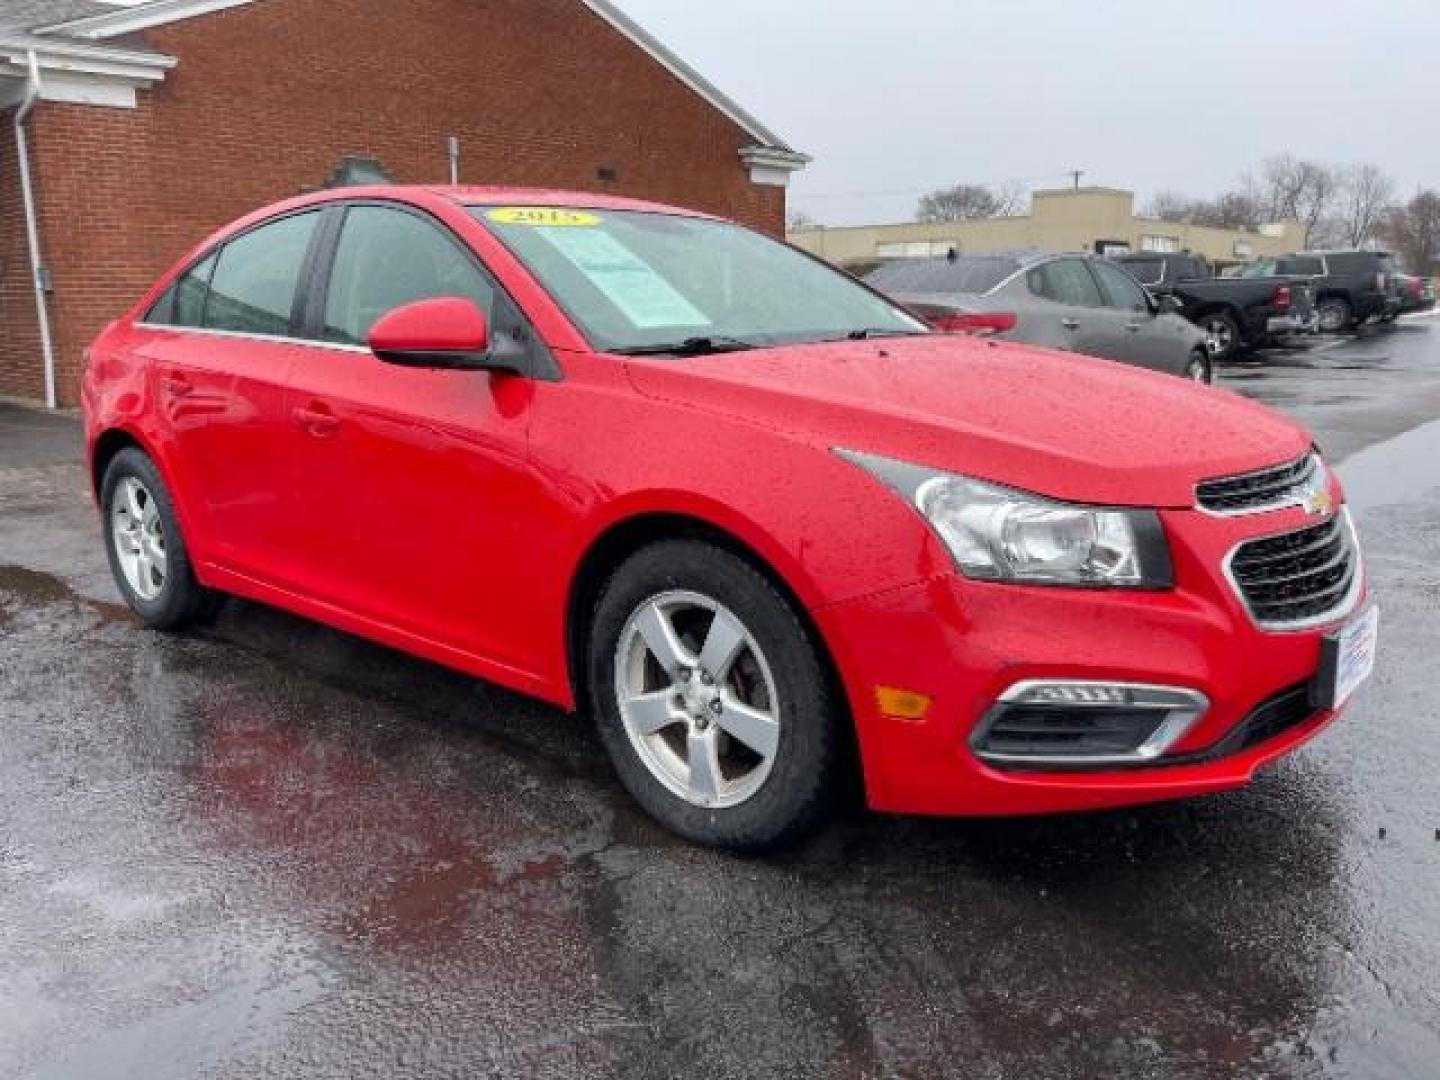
{"type": "Point", "coordinates": [141, 68]}
{"type": "Point", "coordinates": [130, 20]}
{"type": "Point", "coordinates": [667, 59]}
{"type": "Point", "coordinates": [771, 167]}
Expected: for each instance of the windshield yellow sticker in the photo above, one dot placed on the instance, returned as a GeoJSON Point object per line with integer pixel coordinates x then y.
{"type": "Point", "coordinates": [549, 217]}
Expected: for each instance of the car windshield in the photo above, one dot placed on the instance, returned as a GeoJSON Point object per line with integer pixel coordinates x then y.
{"type": "Point", "coordinates": [636, 281]}
{"type": "Point", "coordinates": [973, 274]}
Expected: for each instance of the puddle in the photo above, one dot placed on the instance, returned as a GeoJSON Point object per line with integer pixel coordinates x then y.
{"type": "Point", "coordinates": [32, 587]}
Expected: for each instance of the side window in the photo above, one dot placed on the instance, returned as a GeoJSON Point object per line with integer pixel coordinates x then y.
{"type": "Point", "coordinates": [254, 284]}
{"type": "Point", "coordinates": [183, 303]}
{"type": "Point", "coordinates": [1067, 281]}
{"type": "Point", "coordinates": [1121, 289]}
{"type": "Point", "coordinates": [1305, 265]}
{"type": "Point", "coordinates": [388, 258]}
{"type": "Point", "coordinates": [190, 293]}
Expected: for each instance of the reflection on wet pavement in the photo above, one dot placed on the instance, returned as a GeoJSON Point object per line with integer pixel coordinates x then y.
{"type": "Point", "coordinates": [274, 850]}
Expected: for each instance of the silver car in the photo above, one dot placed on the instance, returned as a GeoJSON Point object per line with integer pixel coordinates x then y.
{"type": "Point", "coordinates": [1075, 303]}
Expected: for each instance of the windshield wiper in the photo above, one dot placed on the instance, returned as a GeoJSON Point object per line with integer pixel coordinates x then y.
{"type": "Point", "coordinates": [694, 346]}
{"type": "Point", "coordinates": [880, 332]}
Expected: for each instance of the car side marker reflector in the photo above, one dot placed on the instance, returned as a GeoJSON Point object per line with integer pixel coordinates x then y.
{"type": "Point", "coordinates": [902, 704]}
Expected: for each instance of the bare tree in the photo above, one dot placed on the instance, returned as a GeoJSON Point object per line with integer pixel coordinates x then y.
{"type": "Point", "coordinates": [1170, 206]}
{"type": "Point", "coordinates": [799, 221]}
{"type": "Point", "coordinates": [1011, 199]}
{"type": "Point", "coordinates": [1289, 189]}
{"type": "Point", "coordinates": [1366, 195]}
{"type": "Point", "coordinates": [1231, 210]}
{"type": "Point", "coordinates": [1414, 231]}
{"type": "Point", "coordinates": [963, 202]}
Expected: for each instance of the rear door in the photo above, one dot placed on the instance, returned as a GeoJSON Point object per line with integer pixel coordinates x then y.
{"type": "Point", "coordinates": [223, 345]}
{"type": "Point", "coordinates": [400, 476]}
{"type": "Point", "coordinates": [1069, 312]}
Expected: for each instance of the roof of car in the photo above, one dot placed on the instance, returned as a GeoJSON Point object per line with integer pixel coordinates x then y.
{"type": "Point", "coordinates": [1339, 251]}
{"type": "Point", "coordinates": [479, 195]}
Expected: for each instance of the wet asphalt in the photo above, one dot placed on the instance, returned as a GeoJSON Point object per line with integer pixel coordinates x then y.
{"type": "Point", "coordinates": [273, 850]}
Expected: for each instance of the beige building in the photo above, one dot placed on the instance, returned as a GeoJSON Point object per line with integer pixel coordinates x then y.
{"type": "Point", "coordinates": [1093, 219]}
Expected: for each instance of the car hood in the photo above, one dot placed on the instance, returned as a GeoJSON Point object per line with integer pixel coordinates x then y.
{"type": "Point", "coordinates": [1069, 427]}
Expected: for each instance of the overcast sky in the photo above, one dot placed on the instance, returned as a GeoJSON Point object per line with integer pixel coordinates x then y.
{"type": "Point", "coordinates": [896, 97]}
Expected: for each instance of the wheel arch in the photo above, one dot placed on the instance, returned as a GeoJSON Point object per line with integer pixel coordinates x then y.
{"type": "Point", "coordinates": [623, 538]}
{"type": "Point", "coordinates": [107, 447]}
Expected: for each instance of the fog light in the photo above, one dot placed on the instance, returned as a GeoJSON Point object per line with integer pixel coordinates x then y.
{"type": "Point", "coordinates": [1081, 724]}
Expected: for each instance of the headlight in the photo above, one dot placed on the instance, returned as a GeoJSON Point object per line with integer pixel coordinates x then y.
{"type": "Point", "coordinates": [997, 533]}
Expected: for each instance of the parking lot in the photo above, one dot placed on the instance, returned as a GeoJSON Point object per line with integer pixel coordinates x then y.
{"type": "Point", "coordinates": [273, 849]}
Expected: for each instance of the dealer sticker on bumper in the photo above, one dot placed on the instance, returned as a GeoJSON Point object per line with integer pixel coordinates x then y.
{"type": "Point", "coordinates": [1349, 659]}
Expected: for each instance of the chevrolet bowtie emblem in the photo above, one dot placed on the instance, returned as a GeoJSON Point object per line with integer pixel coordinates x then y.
{"type": "Point", "coordinates": [1318, 502]}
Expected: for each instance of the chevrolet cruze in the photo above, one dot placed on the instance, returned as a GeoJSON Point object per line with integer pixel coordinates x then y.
{"type": "Point", "coordinates": [759, 522]}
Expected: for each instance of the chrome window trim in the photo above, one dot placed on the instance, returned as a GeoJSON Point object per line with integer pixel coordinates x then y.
{"type": "Point", "coordinates": [1185, 706]}
{"type": "Point", "coordinates": [1343, 609]}
{"type": "Point", "coordinates": [1295, 497]}
{"type": "Point", "coordinates": [240, 335]}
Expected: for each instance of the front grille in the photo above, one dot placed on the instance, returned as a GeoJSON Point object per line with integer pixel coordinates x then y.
{"type": "Point", "coordinates": [1303, 577]}
{"type": "Point", "coordinates": [1266, 489]}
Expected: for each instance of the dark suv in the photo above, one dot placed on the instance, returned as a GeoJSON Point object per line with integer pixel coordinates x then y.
{"type": "Point", "coordinates": [1351, 287]}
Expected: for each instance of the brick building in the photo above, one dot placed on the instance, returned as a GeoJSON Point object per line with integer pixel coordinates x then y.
{"type": "Point", "coordinates": [148, 123]}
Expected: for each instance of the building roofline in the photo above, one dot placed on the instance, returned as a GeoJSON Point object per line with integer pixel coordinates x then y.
{"type": "Point", "coordinates": [161, 12]}
{"type": "Point", "coordinates": [133, 65]}
{"type": "Point", "coordinates": [131, 20]}
{"type": "Point", "coordinates": [669, 60]}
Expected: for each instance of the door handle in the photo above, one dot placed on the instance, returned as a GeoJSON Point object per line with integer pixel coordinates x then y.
{"type": "Point", "coordinates": [1070, 324]}
{"type": "Point", "coordinates": [317, 420]}
{"type": "Point", "coordinates": [1133, 327]}
{"type": "Point", "coordinates": [176, 386]}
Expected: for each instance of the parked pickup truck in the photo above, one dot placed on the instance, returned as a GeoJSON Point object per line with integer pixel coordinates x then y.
{"type": "Point", "coordinates": [1237, 314]}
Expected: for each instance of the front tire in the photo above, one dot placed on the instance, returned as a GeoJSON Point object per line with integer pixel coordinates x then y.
{"type": "Point", "coordinates": [1222, 333]}
{"type": "Point", "coordinates": [1200, 369]}
{"type": "Point", "coordinates": [712, 699]}
{"type": "Point", "coordinates": [146, 548]}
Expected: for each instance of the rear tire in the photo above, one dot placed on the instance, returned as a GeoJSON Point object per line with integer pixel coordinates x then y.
{"type": "Point", "coordinates": [146, 548]}
{"type": "Point", "coordinates": [1335, 314]}
{"type": "Point", "coordinates": [669, 722]}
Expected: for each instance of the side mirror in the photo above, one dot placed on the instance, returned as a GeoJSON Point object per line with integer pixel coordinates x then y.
{"type": "Point", "coordinates": [1169, 305]}
{"type": "Point", "coordinates": [449, 332]}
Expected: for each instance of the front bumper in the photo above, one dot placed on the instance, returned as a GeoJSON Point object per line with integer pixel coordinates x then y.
{"type": "Point", "coordinates": [964, 644]}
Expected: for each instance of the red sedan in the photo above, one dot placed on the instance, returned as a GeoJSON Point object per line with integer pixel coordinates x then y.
{"type": "Point", "coordinates": [757, 520]}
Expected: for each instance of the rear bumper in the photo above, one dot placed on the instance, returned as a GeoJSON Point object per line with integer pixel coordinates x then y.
{"type": "Point", "coordinates": [964, 644]}
{"type": "Point", "coordinates": [1293, 324]}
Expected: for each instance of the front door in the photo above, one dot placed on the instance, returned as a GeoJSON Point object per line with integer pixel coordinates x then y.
{"type": "Point", "coordinates": [397, 472]}
{"type": "Point", "coordinates": [1138, 335]}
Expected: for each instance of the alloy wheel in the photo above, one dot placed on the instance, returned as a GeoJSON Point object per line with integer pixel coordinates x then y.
{"type": "Point", "coordinates": [697, 699]}
{"type": "Point", "coordinates": [139, 537]}
{"type": "Point", "coordinates": [1219, 336]}
{"type": "Point", "coordinates": [1332, 318]}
